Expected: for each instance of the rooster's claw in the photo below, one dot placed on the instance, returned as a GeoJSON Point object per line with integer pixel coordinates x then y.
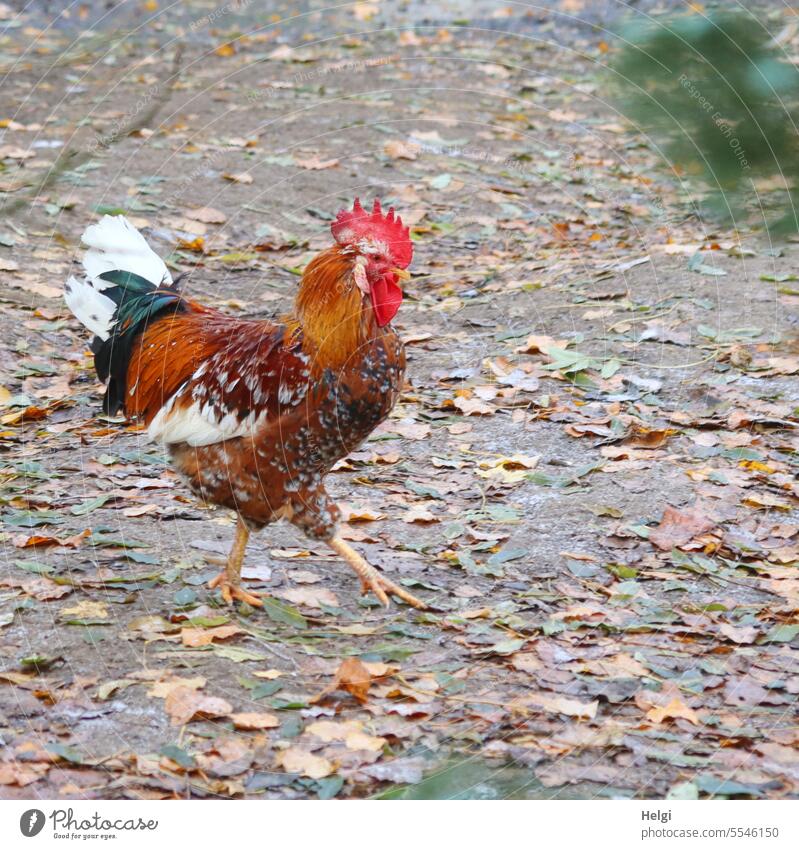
{"type": "Point", "coordinates": [231, 591]}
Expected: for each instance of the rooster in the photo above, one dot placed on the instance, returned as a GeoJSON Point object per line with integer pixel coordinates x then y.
{"type": "Point", "coordinates": [254, 413]}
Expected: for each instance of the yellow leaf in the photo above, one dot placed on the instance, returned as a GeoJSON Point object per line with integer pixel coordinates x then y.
{"type": "Point", "coordinates": [269, 674]}
{"type": "Point", "coordinates": [85, 610]}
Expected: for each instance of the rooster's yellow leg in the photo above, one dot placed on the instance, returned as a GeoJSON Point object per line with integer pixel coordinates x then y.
{"type": "Point", "coordinates": [371, 579]}
{"type": "Point", "coordinates": [229, 581]}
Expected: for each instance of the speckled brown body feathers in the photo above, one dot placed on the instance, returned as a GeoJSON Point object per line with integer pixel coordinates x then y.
{"type": "Point", "coordinates": [303, 392]}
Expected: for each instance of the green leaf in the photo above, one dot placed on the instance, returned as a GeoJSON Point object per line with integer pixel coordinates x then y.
{"type": "Point", "coordinates": [441, 182]}
{"type": "Point", "coordinates": [781, 634]}
{"type": "Point", "coordinates": [89, 506]}
{"type": "Point", "coordinates": [67, 753]}
{"type": "Point", "coordinates": [505, 647]}
{"type": "Point", "coordinates": [237, 654]}
{"type": "Point", "coordinates": [185, 596]}
{"type": "Point", "coordinates": [506, 555]}
{"type": "Point", "coordinates": [34, 566]}
{"type": "Point", "coordinates": [285, 614]}
{"type": "Point", "coordinates": [715, 786]}
{"type": "Point", "coordinates": [329, 787]}
{"type": "Point", "coordinates": [178, 755]}
{"type": "Point", "coordinates": [696, 263]}
{"type": "Point", "coordinates": [263, 689]}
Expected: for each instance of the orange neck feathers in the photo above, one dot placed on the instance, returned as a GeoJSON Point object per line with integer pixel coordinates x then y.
{"type": "Point", "coordinates": [331, 309]}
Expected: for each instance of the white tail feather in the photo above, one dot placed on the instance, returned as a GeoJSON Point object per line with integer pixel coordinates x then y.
{"type": "Point", "coordinates": [114, 245]}
{"type": "Point", "coordinates": [92, 308]}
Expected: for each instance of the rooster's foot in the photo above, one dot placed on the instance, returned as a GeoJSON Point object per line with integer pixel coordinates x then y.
{"type": "Point", "coordinates": [231, 591]}
{"type": "Point", "coordinates": [380, 585]}
{"type": "Point", "coordinates": [371, 579]}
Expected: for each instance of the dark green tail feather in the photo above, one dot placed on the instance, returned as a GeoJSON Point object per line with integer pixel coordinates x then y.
{"type": "Point", "coordinates": [138, 301]}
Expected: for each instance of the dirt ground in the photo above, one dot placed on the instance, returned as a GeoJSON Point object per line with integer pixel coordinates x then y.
{"type": "Point", "coordinates": [590, 477]}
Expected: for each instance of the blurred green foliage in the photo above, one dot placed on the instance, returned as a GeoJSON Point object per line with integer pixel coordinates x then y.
{"type": "Point", "coordinates": [719, 100]}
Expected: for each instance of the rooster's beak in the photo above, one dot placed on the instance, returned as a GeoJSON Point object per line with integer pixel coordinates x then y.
{"type": "Point", "coordinates": [402, 273]}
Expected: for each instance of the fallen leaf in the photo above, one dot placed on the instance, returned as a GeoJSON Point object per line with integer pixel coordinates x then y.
{"type": "Point", "coordinates": [254, 721]}
{"type": "Point", "coordinates": [311, 597]}
{"type": "Point", "coordinates": [314, 163]}
{"type": "Point", "coordinates": [351, 676]}
{"type": "Point", "coordinates": [401, 150]}
{"type": "Point", "coordinates": [675, 709]}
{"type": "Point", "coordinates": [21, 774]}
{"type": "Point", "coordinates": [208, 215]}
{"type": "Point", "coordinates": [244, 179]}
{"type": "Point", "coordinates": [560, 704]}
{"type": "Point", "coordinates": [85, 610]}
{"type": "Point", "coordinates": [38, 541]}
{"type": "Point", "coordinates": [161, 689]}
{"type": "Point", "coordinates": [679, 527]}
{"type": "Point", "coordinates": [205, 636]}
{"type": "Point", "coordinates": [184, 704]}
{"type": "Point", "coordinates": [296, 760]}
{"type": "Point", "coordinates": [419, 514]}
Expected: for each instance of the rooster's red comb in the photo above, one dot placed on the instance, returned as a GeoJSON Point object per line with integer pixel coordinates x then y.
{"type": "Point", "coordinates": [353, 225]}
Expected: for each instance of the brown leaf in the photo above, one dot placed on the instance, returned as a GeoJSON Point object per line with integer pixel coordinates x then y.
{"type": "Point", "coordinates": [38, 541]}
{"type": "Point", "coordinates": [473, 407]}
{"type": "Point", "coordinates": [360, 741]}
{"type": "Point", "coordinates": [38, 587]}
{"type": "Point", "coordinates": [299, 761]}
{"type": "Point", "coordinates": [21, 774]}
{"type": "Point", "coordinates": [538, 344]}
{"type": "Point", "coordinates": [679, 527]}
{"type": "Point", "coordinates": [310, 597]}
{"type": "Point", "coordinates": [742, 636]}
{"type": "Point", "coordinates": [208, 215]}
{"type": "Point", "coordinates": [161, 689]}
{"type": "Point", "coordinates": [314, 163]}
{"type": "Point", "coordinates": [401, 150]}
{"type": "Point", "coordinates": [244, 179]}
{"type": "Point", "coordinates": [419, 514]}
{"type": "Point", "coordinates": [675, 709]}
{"type": "Point", "coordinates": [184, 704]}
{"type": "Point", "coordinates": [553, 703]}
{"type": "Point", "coordinates": [205, 636]}
{"type": "Point", "coordinates": [330, 732]}
{"type": "Point", "coordinates": [254, 721]}
{"type": "Point", "coordinates": [353, 677]}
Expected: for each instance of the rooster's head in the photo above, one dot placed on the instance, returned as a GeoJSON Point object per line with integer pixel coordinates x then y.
{"type": "Point", "coordinates": [384, 250]}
